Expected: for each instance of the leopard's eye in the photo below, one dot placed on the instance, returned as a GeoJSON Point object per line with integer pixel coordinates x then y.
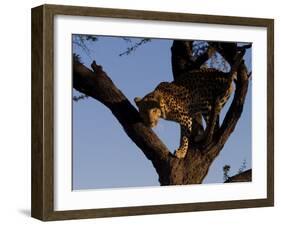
{"type": "Point", "coordinates": [154, 110]}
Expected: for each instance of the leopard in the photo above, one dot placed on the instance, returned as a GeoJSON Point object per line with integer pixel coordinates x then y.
{"type": "Point", "coordinates": [191, 95]}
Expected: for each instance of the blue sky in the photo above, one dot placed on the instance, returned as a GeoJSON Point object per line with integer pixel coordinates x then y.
{"type": "Point", "coordinates": [103, 155]}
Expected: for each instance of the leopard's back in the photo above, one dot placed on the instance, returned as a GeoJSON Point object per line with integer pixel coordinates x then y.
{"type": "Point", "coordinates": [205, 84]}
{"type": "Point", "coordinates": [197, 90]}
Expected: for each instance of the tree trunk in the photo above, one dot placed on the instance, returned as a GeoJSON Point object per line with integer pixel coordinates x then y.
{"type": "Point", "coordinates": [190, 170]}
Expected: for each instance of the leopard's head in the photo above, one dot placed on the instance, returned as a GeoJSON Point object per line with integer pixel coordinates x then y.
{"type": "Point", "coordinates": [149, 109]}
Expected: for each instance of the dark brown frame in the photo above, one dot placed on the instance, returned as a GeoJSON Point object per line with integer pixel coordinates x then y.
{"type": "Point", "coordinates": [42, 204]}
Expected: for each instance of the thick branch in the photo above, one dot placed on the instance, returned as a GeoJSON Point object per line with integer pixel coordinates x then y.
{"type": "Point", "coordinates": [234, 112]}
{"type": "Point", "coordinates": [99, 86]}
{"type": "Point", "coordinates": [231, 116]}
{"type": "Point", "coordinates": [236, 107]}
{"type": "Point", "coordinates": [183, 59]}
{"type": "Point", "coordinates": [245, 176]}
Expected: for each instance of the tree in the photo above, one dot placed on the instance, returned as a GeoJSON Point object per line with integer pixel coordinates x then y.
{"type": "Point", "coordinates": [96, 83]}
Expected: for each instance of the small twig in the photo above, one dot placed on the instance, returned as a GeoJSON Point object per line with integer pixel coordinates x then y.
{"type": "Point", "coordinates": [127, 39]}
{"type": "Point", "coordinates": [135, 46]}
{"type": "Point", "coordinates": [249, 75]}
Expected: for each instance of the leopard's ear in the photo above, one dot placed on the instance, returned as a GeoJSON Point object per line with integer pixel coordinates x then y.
{"type": "Point", "coordinates": [137, 100]}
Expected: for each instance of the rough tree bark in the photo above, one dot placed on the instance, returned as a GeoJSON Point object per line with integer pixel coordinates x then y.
{"type": "Point", "coordinates": [171, 170]}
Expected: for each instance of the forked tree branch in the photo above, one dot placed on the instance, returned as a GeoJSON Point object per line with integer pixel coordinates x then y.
{"type": "Point", "coordinates": [234, 112]}
{"type": "Point", "coordinates": [183, 61]}
{"type": "Point", "coordinates": [99, 86]}
{"type": "Point", "coordinates": [236, 64]}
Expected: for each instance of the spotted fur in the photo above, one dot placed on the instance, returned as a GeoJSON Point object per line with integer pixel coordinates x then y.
{"type": "Point", "coordinates": [181, 100]}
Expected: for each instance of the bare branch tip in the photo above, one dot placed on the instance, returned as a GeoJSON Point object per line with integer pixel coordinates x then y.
{"type": "Point", "coordinates": [95, 66]}
{"type": "Point", "coordinates": [249, 75]}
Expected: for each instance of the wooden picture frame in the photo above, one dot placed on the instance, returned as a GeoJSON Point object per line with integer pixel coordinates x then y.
{"type": "Point", "coordinates": [43, 112]}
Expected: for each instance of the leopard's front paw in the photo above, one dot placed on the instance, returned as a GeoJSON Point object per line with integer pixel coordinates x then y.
{"type": "Point", "coordinates": [180, 153]}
